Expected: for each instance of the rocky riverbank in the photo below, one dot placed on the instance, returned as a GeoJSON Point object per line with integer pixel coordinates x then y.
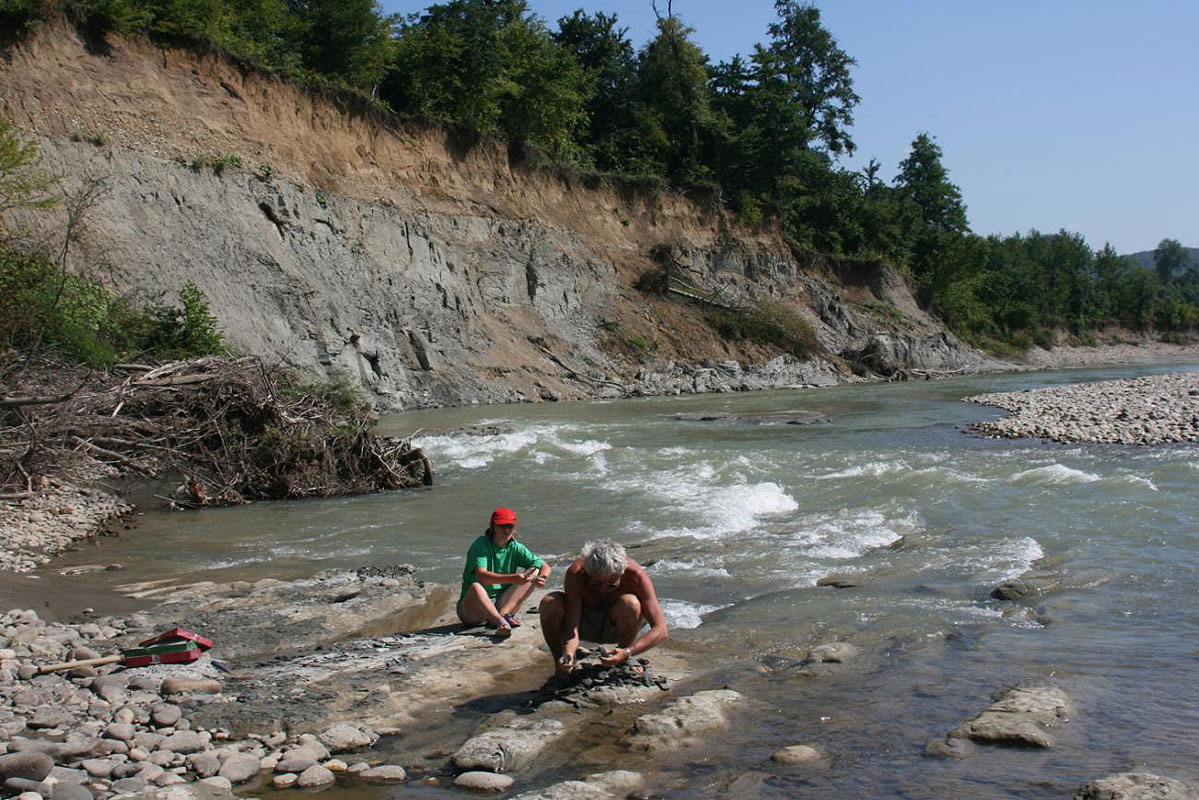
{"type": "Point", "coordinates": [360, 678]}
{"type": "Point", "coordinates": [1158, 409]}
{"type": "Point", "coordinates": [35, 526]}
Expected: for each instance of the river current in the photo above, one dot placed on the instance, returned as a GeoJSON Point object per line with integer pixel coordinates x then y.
{"type": "Point", "coordinates": [737, 522]}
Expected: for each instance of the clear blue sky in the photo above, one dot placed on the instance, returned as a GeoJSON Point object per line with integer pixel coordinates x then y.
{"type": "Point", "coordinates": [1076, 114]}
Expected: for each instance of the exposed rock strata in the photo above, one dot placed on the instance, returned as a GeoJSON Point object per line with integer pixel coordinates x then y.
{"type": "Point", "coordinates": [349, 243]}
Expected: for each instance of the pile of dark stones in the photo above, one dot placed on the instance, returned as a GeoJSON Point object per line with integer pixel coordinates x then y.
{"type": "Point", "coordinates": [590, 676]}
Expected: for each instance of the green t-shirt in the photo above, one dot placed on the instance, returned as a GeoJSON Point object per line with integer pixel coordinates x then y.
{"type": "Point", "coordinates": [505, 560]}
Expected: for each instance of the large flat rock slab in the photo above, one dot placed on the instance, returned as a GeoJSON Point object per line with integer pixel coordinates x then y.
{"type": "Point", "coordinates": [273, 618]}
{"type": "Point", "coordinates": [683, 721]}
{"type": "Point", "coordinates": [510, 746]}
{"type": "Point", "coordinates": [1024, 717]}
{"type": "Point", "coordinates": [1137, 786]}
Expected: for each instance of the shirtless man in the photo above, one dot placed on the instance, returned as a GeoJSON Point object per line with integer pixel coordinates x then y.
{"type": "Point", "coordinates": [607, 597]}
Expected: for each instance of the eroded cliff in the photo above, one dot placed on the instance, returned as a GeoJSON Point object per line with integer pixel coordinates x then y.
{"type": "Point", "coordinates": [431, 270]}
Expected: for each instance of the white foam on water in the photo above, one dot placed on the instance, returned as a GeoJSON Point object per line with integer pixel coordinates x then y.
{"type": "Point", "coordinates": [1137, 480]}
{"type": "Point", "coordinates": [475, 452]}
{"type": "Point", "coordinates": [540, 444]}
{"type": "Point", "coordinates": [690, 568]}
{"type": "Point", "coordinates": [947, 475]}
{"type": "Point", "coordinates": [695, 492]}
{"type": "Point", "coordinates": [1002, 559]}
{"type": "Point", "coordinates": [851, 533]}
{"type": "Point", "coordinates": [1054, 475]}
{"type": "Point", "coordinates": [584, 448]}
{"type": "Point", "coordinates": [681, 614]}
{"type": "Point", "coordinates": [224, 563]}
{"type": "Point", "coordinates": [946, 607]}
{"type": "Point", "coordinates": [871, 469]}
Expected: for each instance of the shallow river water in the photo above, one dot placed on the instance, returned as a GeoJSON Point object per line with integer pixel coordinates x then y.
{"type": "Point", "coordinates": [739, 521]}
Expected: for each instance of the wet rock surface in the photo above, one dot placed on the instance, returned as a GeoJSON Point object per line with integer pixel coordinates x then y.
{"type": "Point", "coordinates": [1022, 717]}
{"type": "Point", "coordinates": [1039, 582]}
{"type": "Point", "coordinates": [779, 418]}
{"type": "Point", "coordinates": [1137, 786]}
{"type": "Point", "coordinates": [1152, 410]}
{"type": "Point", "coordinates": [682, 721]}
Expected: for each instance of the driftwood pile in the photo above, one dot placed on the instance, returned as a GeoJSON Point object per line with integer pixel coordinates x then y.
{"type": "Point", "coordinates": [230, 431]}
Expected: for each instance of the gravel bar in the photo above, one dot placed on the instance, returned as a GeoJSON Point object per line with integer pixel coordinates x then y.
{"type": "Point", "coordinates": [1159, 409]}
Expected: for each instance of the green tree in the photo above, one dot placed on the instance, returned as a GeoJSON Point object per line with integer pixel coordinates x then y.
{"type": "Point", "coordinates": [674, 116]}
{"type": "Point", "coordinates": [490, 67]}
{"type": "Point", "coordinates": [345, 40]}
{"type": "Point", "coordinates": [606, 55]}
{"type": "Point", "coordinates": [803, 81]}
{"type": "Point", "coordinates": [924, 180]}
{"type": "Point", "coordinates": [1170, 258]}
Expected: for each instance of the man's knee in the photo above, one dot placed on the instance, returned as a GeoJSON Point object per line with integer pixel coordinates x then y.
{"type": "Point", "coordinates": [626, 606]}
{"type": "Point", "coordinates": [552, 605]}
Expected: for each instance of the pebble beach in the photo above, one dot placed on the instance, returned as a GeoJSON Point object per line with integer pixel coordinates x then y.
{"type": "Point", "coordinates": [1159, 409]}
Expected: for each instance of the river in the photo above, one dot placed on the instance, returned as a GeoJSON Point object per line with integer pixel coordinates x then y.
{"type": "Point", "coordinates": [738, 521]}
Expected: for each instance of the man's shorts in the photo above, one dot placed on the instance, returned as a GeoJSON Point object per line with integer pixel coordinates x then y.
{"type": "Point", "coordinates": [596, 625]}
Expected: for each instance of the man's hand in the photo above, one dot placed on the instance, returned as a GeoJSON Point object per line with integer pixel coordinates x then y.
{"type": "Point", "coordinates": [526, 576]}
{"type": "Point", "coordinates": [566, 664]}
{"type": "Point", "coordinates": [615, 658]}
{"type": "Point", "coordinates": [541, 578]}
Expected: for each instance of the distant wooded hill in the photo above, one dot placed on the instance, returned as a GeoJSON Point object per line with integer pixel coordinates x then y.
{"type": "Point", "coordinates": [1145, 257]}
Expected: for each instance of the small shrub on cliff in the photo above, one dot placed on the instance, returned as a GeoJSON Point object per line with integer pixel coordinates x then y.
{"type": "Point", "coordinates": [217, 162]}
{"type": "Point", "coordinates": [186, 331]}
{"type": "Point", "coordinates": [768, 322]}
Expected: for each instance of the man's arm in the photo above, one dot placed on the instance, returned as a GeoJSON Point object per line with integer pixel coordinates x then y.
{"type": "Point", "coordinates": [572, 592]}
{"type": "Point", "coordinates": [651, 612]}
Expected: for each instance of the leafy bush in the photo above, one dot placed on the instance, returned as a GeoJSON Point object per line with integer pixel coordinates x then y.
{"type": "Point", "coordinates": [190, 330]}
{"type": "Point", "coordinates": [42, 306]}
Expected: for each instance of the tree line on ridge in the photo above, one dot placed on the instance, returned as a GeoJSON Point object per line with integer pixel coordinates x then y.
{"type": "Point", "coordinates": [764, 132]}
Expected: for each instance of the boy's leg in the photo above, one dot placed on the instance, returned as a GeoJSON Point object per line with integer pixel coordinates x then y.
{"type": "Point", "coordinates": [476, 607]}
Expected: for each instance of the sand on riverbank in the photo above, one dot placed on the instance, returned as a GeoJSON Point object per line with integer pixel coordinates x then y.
{"type": "Point", "coordinates": [1158, 409]}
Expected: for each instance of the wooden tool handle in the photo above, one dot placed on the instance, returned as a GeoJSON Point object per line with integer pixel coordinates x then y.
{"type": "Point", "coordinates": [87, 662]}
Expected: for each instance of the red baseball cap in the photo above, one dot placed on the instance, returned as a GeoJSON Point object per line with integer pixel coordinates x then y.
{"type": "Point", "coordinates": [503, 516]}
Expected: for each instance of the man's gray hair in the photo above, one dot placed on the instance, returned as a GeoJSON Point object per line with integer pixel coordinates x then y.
{"type": "Point", "coordinates": [604, 558]}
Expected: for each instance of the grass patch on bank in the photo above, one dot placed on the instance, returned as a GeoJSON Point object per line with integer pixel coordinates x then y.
{"type": "Point", "coordinates": [766, 321]}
